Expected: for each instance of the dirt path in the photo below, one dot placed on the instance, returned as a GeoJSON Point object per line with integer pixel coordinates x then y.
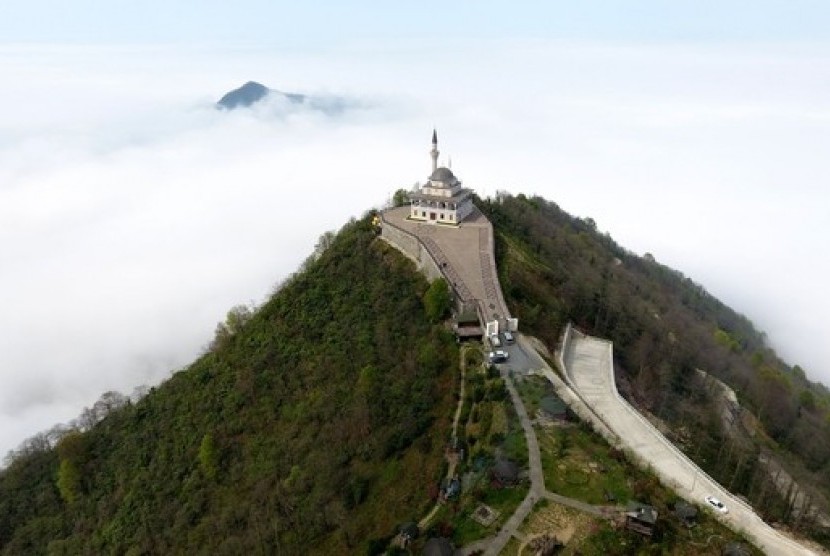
{"type": "Point", "coordinates": [453, 459]}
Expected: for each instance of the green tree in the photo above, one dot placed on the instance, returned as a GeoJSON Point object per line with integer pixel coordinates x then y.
{"type": "Point", "coordinates": [437, 300]}
{"type": "Point", "coordinates": [807, 400]}
{"type": "Point", "coordinates": [723, 338]}
{"type": "Point", "coordinates": [400, 198]}
{"type": "Point", "coordinates": [69, 481]}
{"type": "Point", "coordinates": [72, 452]}
{"type": "Point", "coordinates": [236, 318]}
{"type": "Point", "coordinates": [208, 457]}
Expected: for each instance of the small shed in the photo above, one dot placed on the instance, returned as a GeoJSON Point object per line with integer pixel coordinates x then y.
{"type": "Point", "coordinates": [552, 408]}
{"type": "Point", "coordinates": [438, 546]}
{"type": "Point", "coordinates": [505, 472]}
{"type": "Point", "coordinates": [467, 324]}
{"type": "Point", "coordinates": [640, 518]}
{"type": "Point", "coordinates": [409, 531]}
{"type": "Point", "coordinates": [735, 549]}
{"type": "Point", "coordinates": [686, 513]}
{"type": "Point", "coordinates": [451, 488]}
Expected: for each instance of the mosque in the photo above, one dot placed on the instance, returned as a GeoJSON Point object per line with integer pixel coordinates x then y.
{"type": "Point", "coordinates": [441, 200]}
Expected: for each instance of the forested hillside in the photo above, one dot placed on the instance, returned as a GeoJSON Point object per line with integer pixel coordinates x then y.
{"type": "Point", "coordinates": [316, 423]}
{"type": "Point", "coordinates": [555, 268]}
{"type": "Point", "coordinates": [313, 425]}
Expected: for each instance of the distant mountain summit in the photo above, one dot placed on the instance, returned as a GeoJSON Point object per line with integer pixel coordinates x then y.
{"type": "Point", "coordinates": [252, 92]}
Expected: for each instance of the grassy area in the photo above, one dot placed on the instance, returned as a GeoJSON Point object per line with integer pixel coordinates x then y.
{"type": "Point", "coordinates": [455, 517]}
{"type": "Point", "coordinates": [515, 443]}
{"type": "Point", "coordinates": [707, 539]}
{"type": "Point", "coordinates": [511, 548]}
{"type": "Point", "coordinates": [577, 465]}
{"type": "Point", "coordinates": [532, 390]}
{"type": "Point", "coordinates": [580, 464]}
{"type": "Point", "coordinates": [577, 462]}
{"type": "Point", "coordinates": [567, 525]}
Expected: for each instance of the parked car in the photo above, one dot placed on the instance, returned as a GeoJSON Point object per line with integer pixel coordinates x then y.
{"type": "Point", "coordinates": [717, 505]}
{"type": "Point", "coordinates": [498, 356]}
{"type": "Point", "coordinates": [508, 337]}
{"type": "Point", "coordinates": [495, 341]}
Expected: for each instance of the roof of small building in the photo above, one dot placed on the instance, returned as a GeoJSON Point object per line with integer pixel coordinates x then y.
{"type": "Point", "coordinates": [438, 546]}
{"type": "Point", "coordinates": [410, 529]}
{"type": "Point", "coordinates": [468, 315]}
{"type": "Point", "coordinates": [684, 510]}
{"type": "Point", "coordinates": [443, 174]}
{"type": "Point", "coordinates": [452, 487]}
{"type": "Point", "coordinates": [641, 512]}
{"type": "Point", "coordinates": [506, 470]}
{"type": "Point", "coordinates": [735, 549]}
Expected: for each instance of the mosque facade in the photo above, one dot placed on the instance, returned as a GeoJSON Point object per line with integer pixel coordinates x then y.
{"type": "Point", "coordinates": [442, 200]}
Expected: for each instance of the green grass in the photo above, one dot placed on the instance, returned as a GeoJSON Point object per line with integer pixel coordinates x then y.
{"type": "Point", "coordinates": [493, 422]}
{"type": "Point", "coordinates": [506, 500]}
{"type": "Point", "coordinates": [532, 389]}
{"type": "Point", "coordinates": [468, 530]}
{"type": "Point", "coordinates": [515, 445]}
{"type": "Point", "coordinates": [567, 454]}
{"type": "Point", "coordinates": [511, 548]}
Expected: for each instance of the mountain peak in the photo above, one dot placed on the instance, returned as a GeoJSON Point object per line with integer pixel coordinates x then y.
{"type": "Point", "coordinates": [246, 95]}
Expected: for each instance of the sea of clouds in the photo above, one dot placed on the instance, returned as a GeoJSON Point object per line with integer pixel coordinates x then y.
{"type": "Point", "coordinates": [133, 214]}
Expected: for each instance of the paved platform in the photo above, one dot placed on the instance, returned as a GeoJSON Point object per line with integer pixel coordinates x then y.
{"type": "Point", "coordinates": [465, 255]}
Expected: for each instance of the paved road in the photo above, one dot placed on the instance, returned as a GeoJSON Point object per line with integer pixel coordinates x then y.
{"type": "Point", "coordinates": [589, 365]}
{"type": "Point", "coordinates": [494, 545]}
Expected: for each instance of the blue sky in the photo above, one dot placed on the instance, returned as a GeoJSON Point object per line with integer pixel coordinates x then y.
{"type": "Point", "coordinates": [312, 24]}
{"type": "Point", "coordinates": [695, 131]}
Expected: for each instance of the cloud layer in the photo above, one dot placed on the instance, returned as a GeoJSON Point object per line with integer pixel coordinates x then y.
{"type": "Point", "coordinates": [133, 215]}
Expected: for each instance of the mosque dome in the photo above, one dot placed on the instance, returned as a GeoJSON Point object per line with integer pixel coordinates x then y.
{"type": "Point", "coordinates": [443, 174]}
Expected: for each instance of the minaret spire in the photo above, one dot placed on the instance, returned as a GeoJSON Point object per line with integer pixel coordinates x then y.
{"type": "Point", "coordinates": [434, 152]}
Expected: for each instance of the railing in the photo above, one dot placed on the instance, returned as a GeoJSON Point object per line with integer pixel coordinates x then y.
{"type": "Point", "coordinates": [442, 263]}
{"type": "Point", "coordinates": [690, 465]}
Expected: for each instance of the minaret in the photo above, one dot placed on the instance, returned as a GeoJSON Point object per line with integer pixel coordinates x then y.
{"type": "Point", "coordinates": [434, 152]}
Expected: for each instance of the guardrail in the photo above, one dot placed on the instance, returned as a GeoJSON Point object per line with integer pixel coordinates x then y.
{"type": "Point", "coordinates": [690, 465]}
{"type": "Point", "coordinates": [437, 257]}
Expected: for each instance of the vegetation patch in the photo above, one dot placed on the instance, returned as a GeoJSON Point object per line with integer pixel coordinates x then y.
{"type": "Point", "coordinates": [555, 269]}
{"type": "Point", "coordinates": [489, 429]}
{"type": "Point", "coordinates": [565, 524]}
{"type": "Point", "coordinates": [315, 424]}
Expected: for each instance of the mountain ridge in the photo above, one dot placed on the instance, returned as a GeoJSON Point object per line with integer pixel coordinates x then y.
{"type": "Point", "coordinates": [303, 420]}
{"type": "Point", "coordinates": [252, 94]}
{"type": "Point", "coordinates": [332, 349]}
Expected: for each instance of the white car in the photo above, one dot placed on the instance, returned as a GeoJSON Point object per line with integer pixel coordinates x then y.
{"type": "Point", "coordinates": [498, 356]}
{"type": "Point", "coordinates": [717, 505]}
{"type": "Point", "coordinates": [508, 337]}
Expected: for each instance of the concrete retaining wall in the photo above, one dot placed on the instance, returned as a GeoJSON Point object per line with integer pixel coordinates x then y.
{"type": "Point", "coordinates": [412, 247]}
{"type": "Point", "coordinates": [571, 396]}
{"type": "Point", "coordinates": [494, 272]}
